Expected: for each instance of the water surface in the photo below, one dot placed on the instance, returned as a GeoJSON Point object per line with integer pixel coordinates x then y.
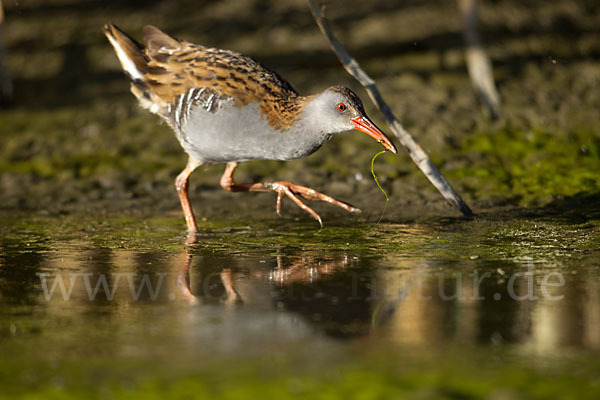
{"type": "Point", "coordinates": [140, 299]}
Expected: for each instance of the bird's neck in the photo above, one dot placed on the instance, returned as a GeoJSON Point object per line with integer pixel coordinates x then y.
{"type": "Point", "coordinates": [307, 132]}
{"type": "Point", "coordinates": [303, 115]}
{"type": "Point", "coordinates": [312, 120]}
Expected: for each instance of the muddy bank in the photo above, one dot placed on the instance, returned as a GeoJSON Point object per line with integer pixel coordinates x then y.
{"type": "Point", "coordinates": [75, 140]}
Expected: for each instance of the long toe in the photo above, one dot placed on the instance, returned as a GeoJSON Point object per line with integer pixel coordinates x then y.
{"type": "Point", "coordinates": [311, 194]}
{"type": "Point", "coordinates": [285, 188]}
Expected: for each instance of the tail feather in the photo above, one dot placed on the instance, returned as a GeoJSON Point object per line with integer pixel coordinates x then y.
{"type": "Point", "coordinates": [129, 51]}
{"type": "Point", "coordinates": [156, 40]}
{"type": "Point", "coordinates": [134, 59]}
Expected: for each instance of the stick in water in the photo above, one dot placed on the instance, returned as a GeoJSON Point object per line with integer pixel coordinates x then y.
{"type": "Point", "coordinates": [414, 150]}
{"type": "Point", "coordinates": [387, 199]}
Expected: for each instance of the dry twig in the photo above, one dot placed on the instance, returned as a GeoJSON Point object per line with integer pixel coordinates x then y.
{"type": "Point", "coordinates": [478, 63]}
{"type": "Point", "coordinates": [414, 150]}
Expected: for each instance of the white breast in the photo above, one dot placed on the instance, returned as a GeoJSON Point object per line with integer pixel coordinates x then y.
{"type": "Point", "coordinates": [243, 134]}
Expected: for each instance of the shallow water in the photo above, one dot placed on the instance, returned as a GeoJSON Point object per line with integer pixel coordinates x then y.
{"type": "Point", "coordinates": [136, 290]}
{"type": "Point", "coordinates": [504, 306]}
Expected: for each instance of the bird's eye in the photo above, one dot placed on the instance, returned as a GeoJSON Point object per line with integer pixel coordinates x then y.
{"type": "Point", "coordinates": [341, 107]}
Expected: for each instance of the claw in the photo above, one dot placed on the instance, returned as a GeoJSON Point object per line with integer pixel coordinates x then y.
{"type": "Point", "coordinates": [319, 221]}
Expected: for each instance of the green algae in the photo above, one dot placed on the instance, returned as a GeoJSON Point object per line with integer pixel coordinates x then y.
{"type": "Point", "coordinates": [505, 237]}
{"type": "Point", "coordinates": [373, 377]}
{"type": "Point", "coordinates": [531, 167]}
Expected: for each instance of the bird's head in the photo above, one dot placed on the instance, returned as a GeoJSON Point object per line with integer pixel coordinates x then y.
{"type": "Point", "coordinates": [339, 109]}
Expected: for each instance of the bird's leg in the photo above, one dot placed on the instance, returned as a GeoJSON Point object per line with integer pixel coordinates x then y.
{"type": "Point", "coordinates": [181, 184]}
{"type": "Point", "coordinates": [231, 295]}
{"type": "Point", "coordinates": [183, 273]}
{"type": "Point", "coordinates": [290, 189]}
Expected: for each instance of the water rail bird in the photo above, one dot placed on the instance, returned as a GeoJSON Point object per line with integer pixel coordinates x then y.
{"type": "Point", "coordinates": [226, 107]}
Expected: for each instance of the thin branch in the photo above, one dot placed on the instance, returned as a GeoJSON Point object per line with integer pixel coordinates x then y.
{"type": "Point", "coordinates": [414, 150]}
{"type": "Point", "coordinates": [478, 62]}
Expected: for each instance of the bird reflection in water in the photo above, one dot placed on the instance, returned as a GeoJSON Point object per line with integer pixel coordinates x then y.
{"type": "Point", "coordinates": [318, 288]}
{"type": "Point", "coordinates": [407, 300]}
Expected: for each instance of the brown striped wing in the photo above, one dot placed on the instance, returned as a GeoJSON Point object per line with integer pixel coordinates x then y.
{"type": "Point", "coordinates": [172, 72]}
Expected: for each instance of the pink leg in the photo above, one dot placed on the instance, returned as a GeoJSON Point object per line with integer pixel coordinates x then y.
{"type": "Point", "coordinates": [290, 189]}
{"type": "Point", "coordinates": [181, 184]}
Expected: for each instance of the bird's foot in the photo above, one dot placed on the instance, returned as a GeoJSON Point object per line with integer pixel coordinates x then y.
{"type": "Point", "coordinates": [294, 192]}
{"type": "Point", "coordinates": [290, 189]}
